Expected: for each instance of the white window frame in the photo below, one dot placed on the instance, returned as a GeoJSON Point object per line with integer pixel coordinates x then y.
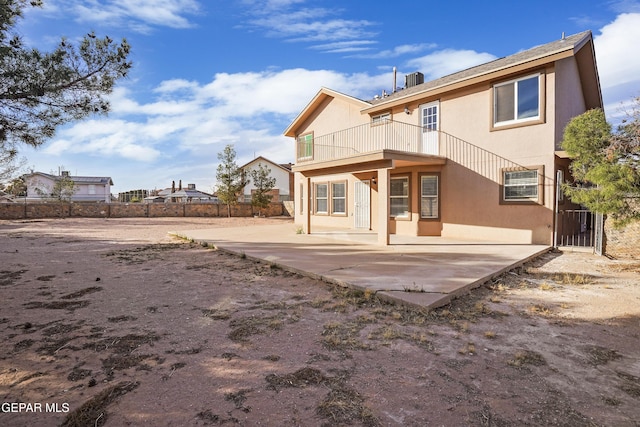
{"type": "Point", "coordinates": [334, 198]}
{"type": "Point", "coordinates": [324, 198]}
{"type": "Point", "coordinates": [403, 196]}
{"type": "Point", "coordinates": [534, 182]}
{"type": "Point", "coordinates": [435, 214]}
{"type": "Point", "coordinates": [516, 113]}
{"type": "Point", "coordinates": [301, 199]}
{"type": "Point", "coordinates": [305, 146]}
{"type": "Point", "coordinates": [380, 119]}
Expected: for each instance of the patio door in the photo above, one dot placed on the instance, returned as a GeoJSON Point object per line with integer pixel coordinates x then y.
{"type": "Point", "coordinates": [429, 120]}
{"type": "Point", "coordinates": [362, 202]}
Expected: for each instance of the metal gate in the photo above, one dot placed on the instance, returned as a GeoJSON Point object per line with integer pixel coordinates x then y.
{"type": "Point", "coordinates": [579, 228]}
{"type": "Point", "coordinates": [598, 234]}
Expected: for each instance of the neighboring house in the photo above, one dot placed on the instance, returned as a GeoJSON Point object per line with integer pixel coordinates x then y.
{"type": "Point", "coordinates": [283, 190]}
{"type": "Point", "coordinates": [471, 155]}
{"type": "Point", "coordinates": [188, 195]}
{"type": "Point", "coordinates": [87, 188]}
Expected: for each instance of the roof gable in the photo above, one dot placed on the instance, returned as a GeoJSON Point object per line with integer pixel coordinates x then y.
{"type": "Point", "coordinates": [265, 160]}
{"type": "Point", "coordinates": [317, 100]}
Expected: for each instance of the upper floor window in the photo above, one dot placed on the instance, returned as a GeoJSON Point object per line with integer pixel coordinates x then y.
{"type": "Point", "coordinates": [381, 118]}
{"type": "Point", "coordinates": [516, 101]}
{"type": "Point", "coordinates": [305, 147]}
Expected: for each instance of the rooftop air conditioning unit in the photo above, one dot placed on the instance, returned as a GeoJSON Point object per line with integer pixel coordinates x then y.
{"type": "Point", "coordinates": [413, 79]}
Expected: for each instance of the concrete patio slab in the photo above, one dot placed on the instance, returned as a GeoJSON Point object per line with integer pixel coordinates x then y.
{"type": "Point", "coordinates": [425, 272]}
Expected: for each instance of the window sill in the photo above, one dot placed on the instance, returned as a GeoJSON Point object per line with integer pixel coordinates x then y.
{"type": "Point", "coordinates": [515, 124]}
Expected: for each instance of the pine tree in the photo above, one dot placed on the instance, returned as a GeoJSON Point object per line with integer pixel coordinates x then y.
{"type": "Point", "coordinates": [231, 180]}
{"type": "Point", "coordinates": [40, 91]}
{"type": "Point", "coordinates": [604, 165]}
{"type": "Point", "coordinates": [263, 183]}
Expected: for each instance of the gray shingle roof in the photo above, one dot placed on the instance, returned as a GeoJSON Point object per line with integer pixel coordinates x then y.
{"type": "Point", "coordinates": [528, 55]}
{"type": "Point", "coordinates": [80, 179]}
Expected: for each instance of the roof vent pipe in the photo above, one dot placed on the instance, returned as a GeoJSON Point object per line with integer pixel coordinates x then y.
{"type": "Point", "coordinates": [395, 79]}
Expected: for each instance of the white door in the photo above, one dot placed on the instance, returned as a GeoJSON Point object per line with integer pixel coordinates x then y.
{"type": "Point", "coordinates": [362, 199]}
{"type": "Point", "coordinates": [429, 117]}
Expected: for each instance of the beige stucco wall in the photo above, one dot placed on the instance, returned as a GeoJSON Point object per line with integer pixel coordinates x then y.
{"type": "Point", "coordinates": [471, 180]}
{"type": "Point", "coordinates": [333, 114]}
{"type": "Point", "coordinates": [569, 99]}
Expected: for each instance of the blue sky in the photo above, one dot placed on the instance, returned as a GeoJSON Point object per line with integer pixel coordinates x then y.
{"type": "Point", "coordinates": [213, 72]}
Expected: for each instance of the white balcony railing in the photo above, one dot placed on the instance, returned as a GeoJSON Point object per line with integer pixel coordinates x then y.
{"type": "Point", "coordinates": [405, 137]}
{"type": "Point", "coordinates": [361, 139]}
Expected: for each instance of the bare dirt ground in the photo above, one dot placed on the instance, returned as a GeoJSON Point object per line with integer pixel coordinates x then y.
{"type": "Point", "coordinates": [112, 322]}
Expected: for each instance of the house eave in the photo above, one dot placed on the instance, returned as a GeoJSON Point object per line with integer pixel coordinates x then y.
{"type": "Point", "coordinates": [496, 74]}
{"type": "Point", "coordinates": [381, 159]}
{"type": "Point", "coordinates": [322, 94]}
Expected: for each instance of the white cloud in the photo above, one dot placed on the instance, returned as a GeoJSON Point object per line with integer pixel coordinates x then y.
{"type": "Point", "coordinates": [397, 51]}
{"type": "Point", "coordinates": [447, 61]}
{"type": "Point", "coordinates": [345, 46]}
{"type": "Point", "coordinates": [110, 138]}
{"type": "Point", "coordinates": [616, 50]}
{"type": "Point", "coordinates": [285, 19]}
{"type": "Point", "coordinates": [189, 122]}
{"type": "Point", "coordinates": [139, 15]}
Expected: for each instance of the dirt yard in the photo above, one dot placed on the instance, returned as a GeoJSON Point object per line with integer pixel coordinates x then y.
{"type": "Point", "coordinates": [112, 322]}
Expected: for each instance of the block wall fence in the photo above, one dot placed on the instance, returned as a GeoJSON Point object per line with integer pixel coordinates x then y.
{"type": "Point", "coordinates": [622, 243]}
{"type": "Point", "coordinates": [131, 210]}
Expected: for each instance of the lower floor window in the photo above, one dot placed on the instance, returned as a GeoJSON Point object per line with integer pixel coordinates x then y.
{"type": "Point", "coordinates": [330, 198]}
{"type": "Point", "coordinates": [520, 185]}
{"type": "Point", "coordinates": [399, 197]}
{"type": "Point", "coordinates": [339, 198]}
{"type": "Point", "coordinates": [322, 198]}
{"type": "Point", "coordinates": [429, 196]}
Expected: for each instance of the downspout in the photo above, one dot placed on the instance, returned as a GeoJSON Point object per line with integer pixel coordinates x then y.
{"type": "Point", "coordinates": [557, 209]}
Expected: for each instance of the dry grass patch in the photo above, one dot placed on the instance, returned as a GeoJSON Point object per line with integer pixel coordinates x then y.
{"type": "Point", "coordinates": [539, 309]}
{"type": "Point", "coordinates": [345, 406]}
{"type": "Point", "coordinates": [238, 398]}
{"type": "Point", "coordinates": [343, 336]}
{"type": "Point", "coordinates": [527, 357]}
{"type": "Point", "coordinates": [630, 384]}
{"type": "Point", "coordinates": [93, 412]}
{"type": "Point", "coordinates": [601, 356]}
{"type": "Point", "coordinates": [469, 348]}
{"type": "Point", "coordinates": [301, 378]}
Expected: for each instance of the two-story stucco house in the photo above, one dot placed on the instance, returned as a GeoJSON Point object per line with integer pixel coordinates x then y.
{"type": "Point", "coordinates": [471, 155]}
{"type": "Point", "coordinates": [86, 188]}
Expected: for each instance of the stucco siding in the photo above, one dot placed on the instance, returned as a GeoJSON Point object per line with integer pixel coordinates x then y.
{"type": "Point", "coordinates": [331, 115]}
{"type": "Point", "coordinates": [569, 97]}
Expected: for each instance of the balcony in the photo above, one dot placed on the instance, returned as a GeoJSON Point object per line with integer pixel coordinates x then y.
{"type": "Point", "coordinates": [375, 145]}
{"type": "Point", "coordinates": [367, 138]}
